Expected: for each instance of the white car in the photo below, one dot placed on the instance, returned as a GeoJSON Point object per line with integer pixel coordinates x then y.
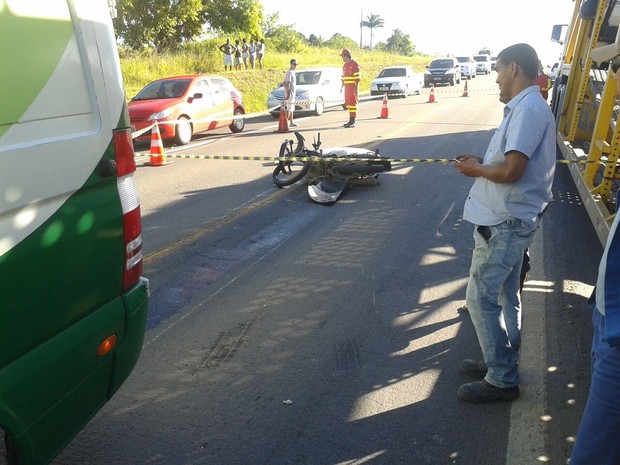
{"type": "Point", "coordinates": [397, 80]}
{"type": "Point", "coordinates": [468, 67]}
{"type": "Point", "coordinates": [553, 74]}
{"type": "Point", "coordinates": [483, 63]}
{"type": "Point", "coordinates": [315, 90]}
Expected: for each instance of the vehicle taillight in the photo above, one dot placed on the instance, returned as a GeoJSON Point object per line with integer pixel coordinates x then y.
{"type": "Point", "coordinates": [132, 227]}
{"type": "Point", "coordinates": [123, 152]}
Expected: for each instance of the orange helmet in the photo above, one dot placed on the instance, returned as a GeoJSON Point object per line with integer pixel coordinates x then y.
{"type": "Point", "coordinates": [345, 52]}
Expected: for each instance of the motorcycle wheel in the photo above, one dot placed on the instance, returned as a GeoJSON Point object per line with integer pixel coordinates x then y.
{"type": "Point", "coordinates": [289, 172]}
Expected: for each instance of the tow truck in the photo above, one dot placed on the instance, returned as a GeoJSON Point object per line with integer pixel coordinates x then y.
{"type": "Point", "coordinates": [584, 103]}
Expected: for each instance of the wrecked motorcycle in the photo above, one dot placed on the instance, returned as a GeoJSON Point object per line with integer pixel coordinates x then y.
{"type": "Point", "coordinates": [328, 172]}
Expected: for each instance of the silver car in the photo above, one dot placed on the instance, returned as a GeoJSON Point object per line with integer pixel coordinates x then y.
{"type": "Point", "coordinates": [397, 80]}
{"type": "Point", "coordinates": [315, 90]}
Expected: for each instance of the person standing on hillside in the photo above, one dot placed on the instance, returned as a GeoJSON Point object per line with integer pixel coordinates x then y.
{"type": "Point", "coordinates": [350, 81]}
{"type": "Point", "coordinates": [260, 52]}
{"type": "Point", "coordinates": [228, 49]}
{"type": "Point", "coordinates": [245, 52]}
{"type": "Point", "coordinates": [252, 53]}
{"type": "Point", "coordinates": [237, 53]}
{"type": "Point", "coordinates": [289, 92]}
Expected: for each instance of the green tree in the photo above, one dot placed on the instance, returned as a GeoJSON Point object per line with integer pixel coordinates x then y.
{"type": "Point", "coordinates": [241, 17]}
{"type": "Point", "coordinates": [400, 43]}
{"type": "Point", "coordinates": [283, 38]}
{"type": "Point", "coordinates": [157, 23]}
{"type": "Point", "coordinates": [372, 22]}
{"type": "Point", "coordinates": [163, 24]}
{"type": "Point", "coordinates": [339, 41]}
{"type": "Point", "coordinates": [316, 41]}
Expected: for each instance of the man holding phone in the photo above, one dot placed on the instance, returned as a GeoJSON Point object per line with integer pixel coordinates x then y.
{"type": "Point", "coordinates": [512, 188]}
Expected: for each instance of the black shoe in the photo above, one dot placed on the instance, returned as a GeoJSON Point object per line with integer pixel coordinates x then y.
{"type": "Point", "coordinates": [473, 368]}
{"type": "Point", "coordinates": [350, 124]}
{"type": "Point", "coordinates": [482, 392]}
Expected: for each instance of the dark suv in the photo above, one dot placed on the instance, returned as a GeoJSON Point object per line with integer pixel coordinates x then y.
{"type": "Point", "coordinates": [443, 71]}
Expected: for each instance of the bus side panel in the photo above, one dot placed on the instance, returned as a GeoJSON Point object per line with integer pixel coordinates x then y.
{"type": "Point", "coordinates": [52, 391]}
{"type": "Point", "coordinates": [126, 357]}
{"type": "Point", "coordinates": [61, 229]}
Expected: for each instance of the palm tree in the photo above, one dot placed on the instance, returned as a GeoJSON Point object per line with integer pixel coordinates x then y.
{"type": "Point", "coordinates": [372, 22]}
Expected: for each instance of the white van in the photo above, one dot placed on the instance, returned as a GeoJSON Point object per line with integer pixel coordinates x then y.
{"type": "Point", "coordinates": [73, 302]}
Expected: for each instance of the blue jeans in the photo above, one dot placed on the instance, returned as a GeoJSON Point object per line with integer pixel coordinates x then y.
{"type": "Point", "coordinates": [599, 432]}
{"type": "Point", "coordinates": [493, 296]}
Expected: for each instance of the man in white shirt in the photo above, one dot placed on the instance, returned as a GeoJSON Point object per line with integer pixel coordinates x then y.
{"type": "Point", "coordinates": [289, 91]}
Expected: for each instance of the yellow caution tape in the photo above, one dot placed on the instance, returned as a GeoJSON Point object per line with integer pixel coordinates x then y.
{"type": "Point", "coordinates": [328, 159]}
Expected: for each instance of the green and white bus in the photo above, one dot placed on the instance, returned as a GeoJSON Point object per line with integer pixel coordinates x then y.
{"type": "Point", "coordinates": [73, 302]}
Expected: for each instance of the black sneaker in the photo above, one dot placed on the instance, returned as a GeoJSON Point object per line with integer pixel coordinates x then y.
{"type": "Point", "coordinates": [473, 368]}
{"type": "Point", "coordinates": [350, 124]}
{"type": "Point", "coordinates": [481, 392]}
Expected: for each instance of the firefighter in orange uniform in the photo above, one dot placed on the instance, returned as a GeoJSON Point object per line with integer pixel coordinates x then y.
{"type": "Point", "coordinates": [544, 81]}
{"type": "Point", "coordinates": [350, 81]}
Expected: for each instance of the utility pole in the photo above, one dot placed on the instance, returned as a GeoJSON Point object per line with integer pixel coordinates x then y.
{"type": "Point", "coordinates": [361, 26]}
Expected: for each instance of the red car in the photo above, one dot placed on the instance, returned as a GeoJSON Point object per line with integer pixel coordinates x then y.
{"type": "Point", "coordinates": [194, 103]}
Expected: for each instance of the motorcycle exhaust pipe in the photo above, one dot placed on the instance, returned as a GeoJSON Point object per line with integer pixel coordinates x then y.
{"type": "Point", "coordinates": [348, 170]}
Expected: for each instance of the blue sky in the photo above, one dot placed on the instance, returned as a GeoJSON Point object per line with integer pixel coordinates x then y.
{"type": "Point", "coordinates": [450, 27]}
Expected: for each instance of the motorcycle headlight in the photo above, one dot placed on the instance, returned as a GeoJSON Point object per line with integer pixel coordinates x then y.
{"type": "Point", "coordinates": [160, 115]}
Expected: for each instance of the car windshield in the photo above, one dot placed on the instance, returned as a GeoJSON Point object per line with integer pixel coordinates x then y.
{"type": "Point", "coordinates": [393, 72]}
{"type": "Point", "coordinates": [463, 59]}
{"type": "Point", "coordinates": [481, 58]}
{"type": "Point", "coordinates": [441, 64]}
{"type": "Point", "coordinates": [311, 78]}
{"type": "Point", "coordinates": [170, 88]}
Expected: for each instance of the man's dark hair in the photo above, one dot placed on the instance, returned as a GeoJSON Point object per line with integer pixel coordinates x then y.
{"type": "Point", "coordinates": [523, 55]}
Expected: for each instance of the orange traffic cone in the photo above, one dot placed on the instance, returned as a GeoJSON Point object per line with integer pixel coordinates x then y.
{"type": "Point", "coordinates": [283, 120]}
{"type": "Point", "coordinates": [465, 93]}
{"type": "Point", "coordinates": [431, 97]}
{"type": "Point", "coordinates": [384, 108]}
{"type": "Point", "coordinates": [158, 157]}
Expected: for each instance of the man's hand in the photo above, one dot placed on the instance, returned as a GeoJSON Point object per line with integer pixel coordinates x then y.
{"type": "Point", "coordinates": [510, 170]}
{"type": "Point", "coordinates": [467, 164]}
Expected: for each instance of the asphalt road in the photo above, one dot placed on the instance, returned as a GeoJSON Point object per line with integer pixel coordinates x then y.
{"type": "Point", "coordinates": [286, 332]}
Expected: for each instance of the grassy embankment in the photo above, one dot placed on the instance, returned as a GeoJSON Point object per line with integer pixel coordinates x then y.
{"type": "Point", "coordinates": [255, 85]}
